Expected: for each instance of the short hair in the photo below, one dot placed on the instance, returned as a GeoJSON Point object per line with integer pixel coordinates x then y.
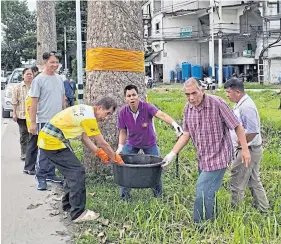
{"type": "Point", "coordinates": [107, 103]}
{"type": "Point", "coordinates": [34, 69]}
{"type": "Point", "coordinates": [130, 87]}
{"type": "Point", "coordinates": [47, 55]}
{"type": "Point", "coordinates": [234, 83]}
{"type": "Point", "coordinates": [26, 69]}
{"type": "Point", "coordinates": [193, 80]}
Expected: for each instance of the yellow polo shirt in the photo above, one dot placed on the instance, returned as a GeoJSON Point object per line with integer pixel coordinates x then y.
{"type": "Point", "coordinates": [27, 115]}
{"type": "Point", "coordinates": [72, 122]}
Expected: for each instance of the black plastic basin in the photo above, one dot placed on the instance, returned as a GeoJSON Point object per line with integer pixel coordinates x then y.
{"type": "Point", "coordinates": [139, 171]}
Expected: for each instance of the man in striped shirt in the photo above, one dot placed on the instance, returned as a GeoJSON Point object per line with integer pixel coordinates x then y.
{"type": "Point", "coordinates": [207, 121]}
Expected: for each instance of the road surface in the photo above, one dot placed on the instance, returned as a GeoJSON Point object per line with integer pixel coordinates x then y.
{"type": "Point", "coordinates": [28, 215]}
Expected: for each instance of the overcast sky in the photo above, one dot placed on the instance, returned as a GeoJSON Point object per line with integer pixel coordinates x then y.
{"type": "Point", "coordinates": [31, 4]}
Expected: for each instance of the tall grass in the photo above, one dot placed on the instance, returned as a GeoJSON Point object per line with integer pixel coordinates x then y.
{"type": "Point", "coordinates": [169, 220]}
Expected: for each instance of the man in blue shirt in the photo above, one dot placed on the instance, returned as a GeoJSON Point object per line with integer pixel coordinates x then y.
{"type": "Point", "coordinates": [70, 88]}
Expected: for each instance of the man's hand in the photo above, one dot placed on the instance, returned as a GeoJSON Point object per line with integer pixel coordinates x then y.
{"type": "Point", "coordinates": [168, 159]}
{"type": "Point", "coordinates": [246, 157]}
{"type": "Point", "coordinates": [177, 128]}
{"type": "Point", "coordinates": [118, 159]}
{"type": "Point", "coordinates": [33, 129]}
{"type": "Point", "coordinates": [120, 148]}
{"type": "Point", "coordinates": [15, 117]}
{"type": "Point", "coordinates": [102, 155]}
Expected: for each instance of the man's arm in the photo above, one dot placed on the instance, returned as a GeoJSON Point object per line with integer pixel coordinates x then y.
{"type": "Point", "coordinates": [88, 143]}
{"type": "Point", "coordinates": [15, 116]}
{"type": "Point", "coordinates": [165, 117]}
{"type": "Point", "coordinates": [33, 111]}
{"type": "Point", "coordinates": [250, 122]}
{"type": "Point", "coordinates": [169, 120]}
{"type": "Point", "coordinates": [105, 146]}
{"type": "Point", "coordinates": [64, 103]}
{"type": "Point", "coordinates": [15, 103]}
{"type": "Point", "coordinates": [122, 140]}
{"type": "Point", "coordinates": [182, 141]}
{"type": "Point", "coordinates": [246, 157]}
{"type": "Point", "coordinates": [122, 136]}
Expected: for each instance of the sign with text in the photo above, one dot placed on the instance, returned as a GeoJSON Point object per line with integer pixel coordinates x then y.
{"type": "Point", "coordinates": [186, 32]}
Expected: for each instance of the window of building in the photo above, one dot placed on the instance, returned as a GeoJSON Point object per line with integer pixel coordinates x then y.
{"type": "Point", "coordinates": [157, 27]}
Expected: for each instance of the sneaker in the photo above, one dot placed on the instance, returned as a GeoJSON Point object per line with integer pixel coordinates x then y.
{"type": "Point", "coordinates": [29, 172]}
{"type": "Point", "coordinates": [42, 186]}
{"type": "Point", "coordinates": [54, 179]}
{"type": "Point", "coordinates": [22, 157]}
{"type": "Point", "coordinates": [87, 215]}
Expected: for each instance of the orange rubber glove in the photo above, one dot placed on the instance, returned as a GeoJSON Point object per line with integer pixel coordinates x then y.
{"type": "Point", "coordinates": [102, 155]}
{"type": "Point", "coordinates": [118, 159]}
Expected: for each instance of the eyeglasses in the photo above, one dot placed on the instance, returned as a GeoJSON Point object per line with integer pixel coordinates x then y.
{"type": "Point", "coordinates": [47, 55]}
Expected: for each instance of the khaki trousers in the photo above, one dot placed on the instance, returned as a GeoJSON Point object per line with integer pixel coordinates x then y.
{"type": "Point", "coordinates": [241, 176]}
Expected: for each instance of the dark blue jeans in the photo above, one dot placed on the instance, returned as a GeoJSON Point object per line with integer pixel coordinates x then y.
{"type": "Point", "coordinates": [154, 150]}
{"type": "Point", "coordinates": [207, 185]}
{"type": "Point", "coordinates": [44, 168]}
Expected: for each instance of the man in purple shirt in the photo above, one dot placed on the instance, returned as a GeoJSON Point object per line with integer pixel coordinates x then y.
{"type": "Point", "coordinates": [207, 121]}
{"type": "Point", "coordinates": [137, 130]}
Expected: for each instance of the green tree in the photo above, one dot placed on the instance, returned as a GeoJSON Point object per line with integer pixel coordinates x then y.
{"type": "Point", "coordinates": [18, 33]}
{"type": "Point", "coordinates": [66, 17]}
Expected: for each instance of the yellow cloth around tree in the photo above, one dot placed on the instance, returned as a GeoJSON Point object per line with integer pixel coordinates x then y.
{"type": "Point", "coordinates": [114, 59]}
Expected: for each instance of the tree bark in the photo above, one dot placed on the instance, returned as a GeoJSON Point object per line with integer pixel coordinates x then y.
{"type": "Point", "coordinates": [46, 29]}
{"type": "Point", "coordinates": [115, 24]}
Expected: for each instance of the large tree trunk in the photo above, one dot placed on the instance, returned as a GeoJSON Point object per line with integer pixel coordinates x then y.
{"type": "Point", "coordinates": [115, 24]}
{"type": "Point", "coordinates": [46, 29]}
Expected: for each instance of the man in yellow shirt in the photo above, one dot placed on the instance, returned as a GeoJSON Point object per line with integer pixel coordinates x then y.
{"type": "Point", "coordinates": [79, 120]}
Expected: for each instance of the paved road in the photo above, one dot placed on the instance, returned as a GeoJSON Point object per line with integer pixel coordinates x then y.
{"type": "Point", "coordinates": [19, 224]}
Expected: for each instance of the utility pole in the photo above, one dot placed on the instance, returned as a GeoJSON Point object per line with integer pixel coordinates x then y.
{"type": "Point", "coordinates": [79, 53]}
{"type": "Point", "coordinates": [212, 43]}
{"type": "Point", "coordinates": [65, 56]}
{"type": "Point", "coordinates": [220, 79]}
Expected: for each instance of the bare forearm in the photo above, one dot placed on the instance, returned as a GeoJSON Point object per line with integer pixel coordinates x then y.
{"type": "Point", "coordinates": [165, 117]}
{"type": "Point", "coordinates": [182, 141]}
{"type": "Point", "coordinates": [122, 136]}
{"type": "Point", "coordinates": [64, 105]}
{"type": "Point", "coordinates": [241, 136]}
{"type": "Point", "coordinates": [105, 146]}
{"type": "Point", "coordinates": [88, 143]}
{"type": "Point", "coordinates": [15, 109]}
{"type": "Point", "coordinates": [33, 110]}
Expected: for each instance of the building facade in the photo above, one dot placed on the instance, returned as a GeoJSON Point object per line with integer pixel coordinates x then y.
{"type": "Point", "coordinates": [181, 31]}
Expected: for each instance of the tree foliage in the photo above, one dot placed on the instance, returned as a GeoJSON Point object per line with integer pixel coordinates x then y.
{"type": "Point", "coordinates": [18, 30]}
{"type": "Point", "coordinates": [66, 18]}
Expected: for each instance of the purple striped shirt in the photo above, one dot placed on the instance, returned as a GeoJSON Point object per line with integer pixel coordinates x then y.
{"type": "Point", "coordinates": [208, 125]}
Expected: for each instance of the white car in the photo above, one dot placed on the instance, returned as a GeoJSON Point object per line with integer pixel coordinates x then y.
{"type": "Point", "coordinates": [15, 78]}
{"type": "Point", "coordinates": [3, 80]}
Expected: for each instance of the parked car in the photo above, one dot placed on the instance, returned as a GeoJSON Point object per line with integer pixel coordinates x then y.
{"type": "Point", "coordinates": [3, 80]}
{"type": "Point", "coordinates": [15, 78]}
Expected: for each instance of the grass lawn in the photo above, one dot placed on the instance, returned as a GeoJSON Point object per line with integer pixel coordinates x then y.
{"type": "Point", "coordinates": [248, 85]}
{"type": "Point", "coordinates": [169, 220]}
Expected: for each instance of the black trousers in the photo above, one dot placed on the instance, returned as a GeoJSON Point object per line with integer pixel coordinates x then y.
{"type": "Point", "coordinates": [24, 135]}
{"type": "Point", "coordinates": [74, 172]}
{"type": "Point", "coordinates": [31, 153]}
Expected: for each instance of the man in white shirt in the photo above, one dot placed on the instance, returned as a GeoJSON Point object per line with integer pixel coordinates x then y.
{"type": "Point", "coordinates": [241, 176]}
